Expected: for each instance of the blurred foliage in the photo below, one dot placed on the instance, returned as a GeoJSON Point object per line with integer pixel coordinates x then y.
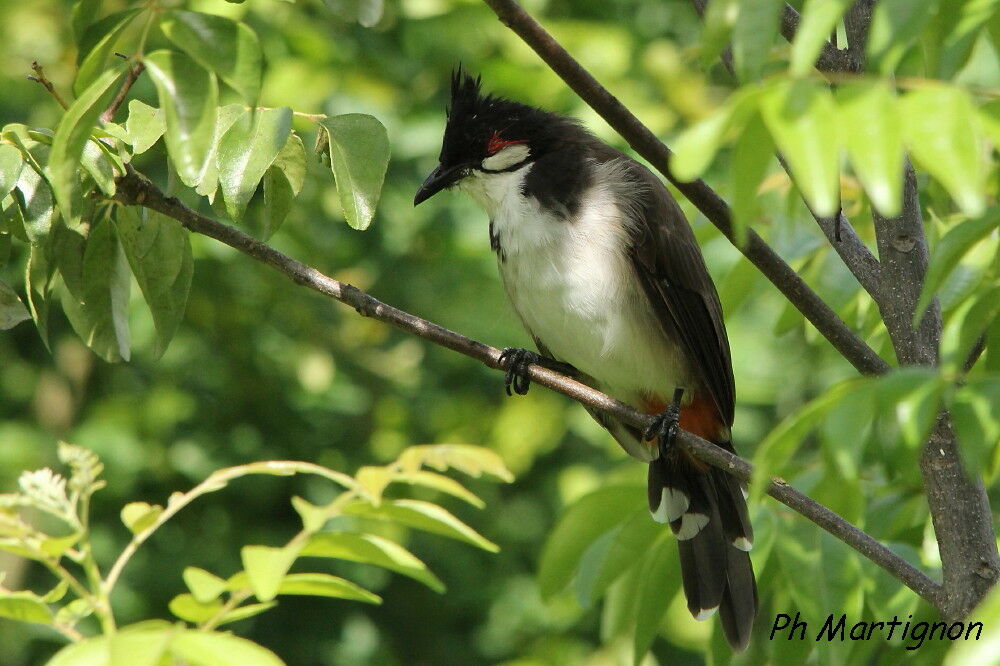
{"type": "Point", "coordinates": [259, 369]}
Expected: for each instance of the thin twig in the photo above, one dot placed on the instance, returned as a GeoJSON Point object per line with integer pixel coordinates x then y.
{"type": "Point", "coordinates": [644, 142]}
{"type": "Point", "coordinates": [134, 71]}
{"type": "Point", "coordinates": [39, 77]}
{"type": "Point", "coordinates": [135, 189]}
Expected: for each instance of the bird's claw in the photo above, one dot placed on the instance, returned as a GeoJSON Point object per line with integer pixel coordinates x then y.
{"type": "Point", "coordinates": [517, 360]}
{"type": "Point", "coordinates": [664, 426]}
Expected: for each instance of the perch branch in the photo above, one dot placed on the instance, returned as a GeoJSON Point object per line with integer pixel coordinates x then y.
{"type": "Point", "coordinates": [135, 189]}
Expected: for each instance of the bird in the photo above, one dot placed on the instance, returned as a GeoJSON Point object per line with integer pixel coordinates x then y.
{"type": "Point", "coordinates": [602, 268]}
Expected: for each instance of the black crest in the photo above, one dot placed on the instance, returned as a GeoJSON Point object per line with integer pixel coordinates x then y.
{"type": "Point", "coordinates": [475, 120]}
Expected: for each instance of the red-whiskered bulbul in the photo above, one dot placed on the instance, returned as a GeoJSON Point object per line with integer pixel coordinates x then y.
{"type": "Point", "coordinates": [605, 274]}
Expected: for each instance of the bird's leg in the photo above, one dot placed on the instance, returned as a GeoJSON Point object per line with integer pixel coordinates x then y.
{"type": "Point", "coordinates": [517, 360]}
{"type": "Point", "coordinates": [664, 425]}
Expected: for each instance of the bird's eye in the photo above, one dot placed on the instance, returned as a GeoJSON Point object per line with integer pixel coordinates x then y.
{"type": "Point", "coordinates": [498, 143]}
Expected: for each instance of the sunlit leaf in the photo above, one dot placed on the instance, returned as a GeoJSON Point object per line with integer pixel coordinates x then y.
{"type": "Point", "coordinates": [225, 117]}
{"type": "Point", "coordinates": [24, 607]}
{"type": "Point", "coordinates": [422, 516]}
{"type": "Point", "coordinates": [96, 161]}
{"type": "Point", "coordinates": [874, 139]}
{"type": "Point", "coordinates": [144, 126]}
{"type": "Point", "coordinates": [949, 252]}
{"type": "Point", "coordinates": [188, 608]}
{"type": "Point", "coordinates": [894, 27]}
{"type": "Point", "coordinates": [471, 460]}
{"type": "Point", "coordinates": [754, 35]}
{"type": "Point", "coordinates": [159, 252]}
{"type": "Point", "coordinates": [968, 324]}
{"type": "Point", "coordinates": [141, 646]}
{"type": "Point", "coordinates": [97, 47]}
{"type": "Point", "coordinates": [819, 19]}
{"type": "Point", "coordinates": [205, 586]}
{"type": "Point", "coordinates": [206, 648]}
{"type": "Point", "coordinates": [371, 549]}
{"type": "Point", "coordinates": [578, 527]}
{"type": "Point", "coordinates": [635, 535]}
{"type": "Point", "coordinates": [188, 95]}
{"type": "Point", "coordinates": [38, 204]}
{"type": "Point", "coordinates": [441, 483]}
{"type": "Point", "coordinates": [72, 134]}
{"type": "Point", "coordinates": [138, 516]}
{"type": "Point", "coordinates": [940, 128]}
{"type": "Point", "coordinates": [325, 585]}
{"type": "Point", "coordinates": [226, 47]}
{"type": "Point", "coordinates": [88, 652]}
{"type": "Point", "coordinates": [11, 163]}
{"type": "Point", "coordinates": [282, 183]}
{"type": "Point", "coordinates": [983, 626]}
{"type": "Point", "coordinates": [243, 612]}
{"type": "Point", "coordinates": [266, 566]}
{"type": "Point", "coordinates": [359, 157]}
{"type": "Point", "coordinates": [721, 16]}
{"type": "Point", "coordinates": [804, 124]}
{"type": "Point", "coordinates": [246, 152]}
{"type": "Point", "coordinates": [313, 517]}
{"type": "Point", "coordinates": [751, 157]}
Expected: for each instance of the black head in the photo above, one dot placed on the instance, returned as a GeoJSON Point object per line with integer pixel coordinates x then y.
{"type": "Point", "coordinates": [489, 134]}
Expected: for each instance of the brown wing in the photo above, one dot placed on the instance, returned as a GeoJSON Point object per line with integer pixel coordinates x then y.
{"type": "Point", "coordinates": [671, 269]}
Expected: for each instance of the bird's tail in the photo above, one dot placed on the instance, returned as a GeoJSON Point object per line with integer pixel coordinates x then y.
{"type": "Point", "coordinates": [707, 511]}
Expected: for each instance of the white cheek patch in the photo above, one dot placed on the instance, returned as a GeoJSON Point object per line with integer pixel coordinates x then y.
{"type": "Point", "coordinates": [506, 157]}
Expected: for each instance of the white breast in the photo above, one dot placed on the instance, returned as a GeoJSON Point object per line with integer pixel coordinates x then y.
{"type": "Point", "coordinates": [574, 287]}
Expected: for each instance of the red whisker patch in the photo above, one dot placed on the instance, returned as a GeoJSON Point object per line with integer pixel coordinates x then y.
{"type": "Point", "coordinates": [497, 143]}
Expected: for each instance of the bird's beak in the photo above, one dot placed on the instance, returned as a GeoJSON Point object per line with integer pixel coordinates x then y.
{"type": "Point", "coordinates": [438, 180]}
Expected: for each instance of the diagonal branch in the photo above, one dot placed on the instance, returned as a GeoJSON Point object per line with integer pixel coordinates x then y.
{"type": "Point", "coordinates": [644, 142]}
{"type": "Point", "coordinates": [135, 189]}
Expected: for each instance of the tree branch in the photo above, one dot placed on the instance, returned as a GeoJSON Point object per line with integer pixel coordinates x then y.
{"type": "Point", "coordinates": [40, 78]}
{"type": "Point", "coordinates": [135, 189]}
{"type": "Point", "coordinates": [830, 58]}
{"type": "Point", "coordinates": [133, 73]}
{"type": "Point", "coordinates": [645, 143]}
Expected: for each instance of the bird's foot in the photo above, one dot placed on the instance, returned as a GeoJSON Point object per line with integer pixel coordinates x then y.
{"type": "Point", "coordinates": [517, 360]}
{"type": "Point", "coordinates": [665, 424]}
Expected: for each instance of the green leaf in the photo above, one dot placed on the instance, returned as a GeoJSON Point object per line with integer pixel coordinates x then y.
{"type": "Point", "coordinates": [751, 157]}
{"type": "Point", "coordinates": [371, 549]}
{"type": "Point", "coordinates": [266, 566]}
{"type": "Point", "coordinates": [696, 147]}
{"type": "Point", "coordinates": [38, 285]}
{"type": "Point", "coordinates": [313, 517]}
{"type": "Point", "coordinates": [159, 252]}
{"type": "Point", "coordinates": [221, 45]}
{"type": "Point", "coordinates": [243, 612]}
{"type": "Point", "coordinates": [422, 516]}
{"type": "Point", "coordinates": [581, 524]}
{"type": "Point", "coordinates": [754, 35]}
{"type": "Point", "coordinates": [11, 162]}
{"type": "Point", "coordinates": [188, 608]}
{"type": "Point", "coordinates": [96, 161]}
{"type": "Point", "coordinates": [12, 310]}
{"type": "Point", "coordinates": [977, 422]}
{"type": "Point", "coordinates": [804, 124]}
{"type": "Point", "coordinates": [895, 25]}
{"type": "Point", "coordinates": [325, 585]}
{"type": "Point", "coordinates": [100, 315]}
{"type": "Point", "coordinates": [986, 636]}
{"type": "Point", "coordinates": [24, 607]}
{"type": "Point", "coordinates": [143, 645]}
{"type": "Point", "coordinates": [949, 252]}
{"type": "Point", "coordinates": [441, 483]}
{"type": "Point", "coordinates": [71, 136]}
{"type": "Point", "coordinates": [659, 577]}
{"type": "Point", "coordinates": [138, 516]}
{"type": "Point", "coordinates": [940, 127]}
{"type": "Point", "coordinates": [247, 151]}
{"type": "Point", "coordinates": [37, 204]}
{"type": "Point", "coordinates": [282, 183]}
{"type": "Point", "coordinates": [209, 648]}
{"type": "Point", "coordinates": [721, 16]}
{"type": "Point", "coordinates": [819, 20]}
{"type": "Point", "coordinates": [874, 139]}
{"type": "Point", "coordinates": [88, 652]}
{"type": "Point", "coordinates": [359, 157]}
{"type": "Point", "coordinates": [472, 460]}
{"type": "Point", "coordinates": [84, 13]}
{"type": "Point", "coordinates": [98, 46]}
{"type": "Point", "coordinates": [913, 396]}
{"type": "Point", "coordinates": [144, 126]}
{"type": "Point", "coordinates": [968, 324]}
{"type": "Point", "coordinates": [225, 117]}
{"type": "Point", "coordinates": [635, 535]}
{"type": "Point", "coordinates": [205, 586]}
{"type": "Point", "coordinates": [188, 95]}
